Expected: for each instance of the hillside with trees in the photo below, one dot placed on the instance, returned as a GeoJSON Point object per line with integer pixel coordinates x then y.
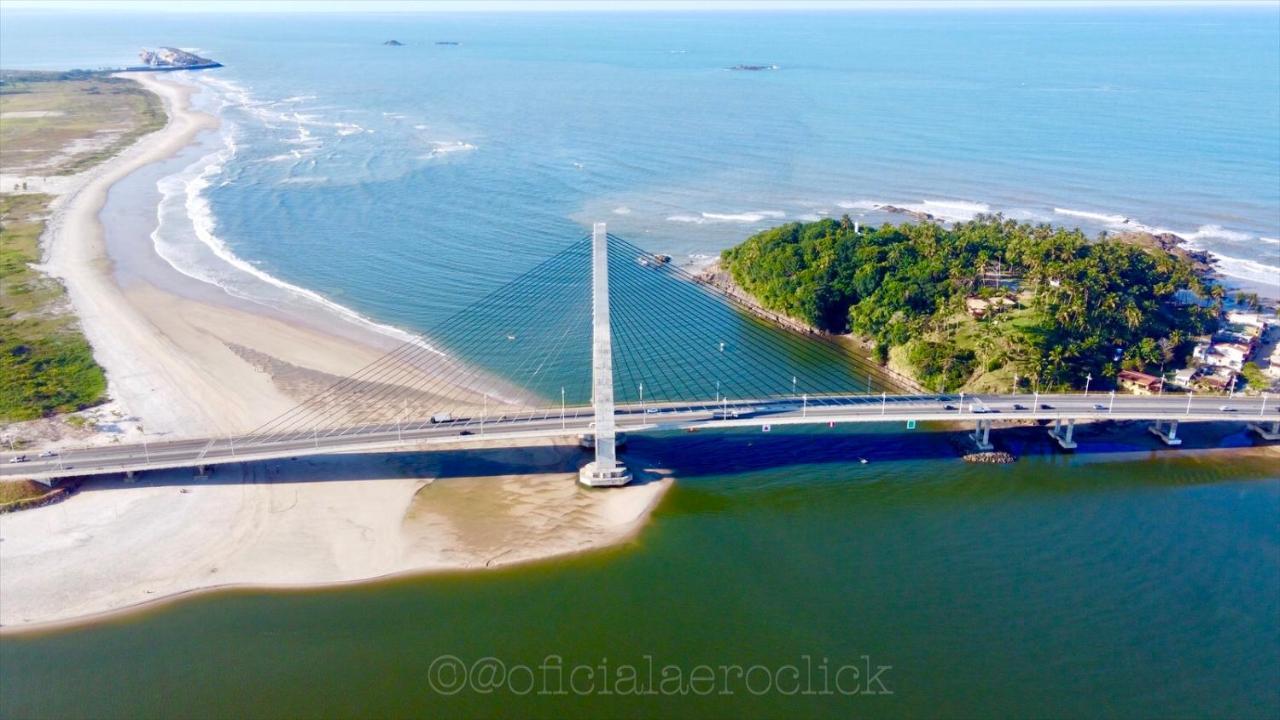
{"type": "Point", "coordinates": [983, 304]}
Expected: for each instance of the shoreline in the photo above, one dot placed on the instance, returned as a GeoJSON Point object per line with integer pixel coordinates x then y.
{"type": "Point", "coordinates": [187, 358]}
{"type": "Point", "coordinates": [649, 495]}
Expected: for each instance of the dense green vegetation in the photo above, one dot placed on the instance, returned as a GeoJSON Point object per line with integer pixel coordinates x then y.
{"type": "Point", "coordinates": [1061, 305]}
{"type": "Point", "coordinates": [46, 365]}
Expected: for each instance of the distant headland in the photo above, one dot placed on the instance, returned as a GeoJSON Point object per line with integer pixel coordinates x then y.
{"type": "Point", "coordinates": [167, 58]}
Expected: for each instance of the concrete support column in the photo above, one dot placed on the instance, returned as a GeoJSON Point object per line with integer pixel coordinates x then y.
{"type": "Point", "coordinates": [1168, 437]}
{"type": "Point", "coordinates": [1063, 438]}
{"type": "Point", "coordinates": [982, 435]}
{"type": "Point", "coordinates": [1271, 433]}
{"type": "Point", "coordinates": [605, 470]}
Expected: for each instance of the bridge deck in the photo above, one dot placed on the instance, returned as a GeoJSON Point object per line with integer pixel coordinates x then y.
{"type": "Point", "coordinates": [424, 435]}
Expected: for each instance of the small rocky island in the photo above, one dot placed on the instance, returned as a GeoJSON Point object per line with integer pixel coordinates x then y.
{"type": "Point", "coordinates": [167, 58]}
{"type": "Point", "coordinates": [448, 42]}
{"type": "Point", "coordinates": [393, 43]}
{"type": "Point", "coordinates": [754, 68]}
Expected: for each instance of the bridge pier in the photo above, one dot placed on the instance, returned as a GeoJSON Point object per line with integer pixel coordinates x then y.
{"type": "Point", "coordinates": [1170, 436]}
{"type": "Point", "coordinates": [1063, 437]}
{"type": "Point", "coordinates": [130, 476]}
{"type": "Point", "coordinates": [1266, 434]}
{"type": "Point", "coordinates": [202, 472]}
{"type": "Point", "coordinates": [982, 436]}
{"type": "Point", "coordinates": [604, 471]}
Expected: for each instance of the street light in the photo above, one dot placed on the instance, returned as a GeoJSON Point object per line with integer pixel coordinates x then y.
{"type": "Point", "coordinates": [1087, 379]}
{"type": "Point", "coordinates": [1112, 404]}
{"type": "Point", "coordinates": [884, 402]}
{"type": "Point", "coordinates": [641, 397]}
{"type": "Point", "coordinates": [561, 407]}
{"type": "Point", "coordinates": [146, 453]}
{"type": "Point", "coordinates": [804, 409]}
{"type": "Point", "coordinates": [961, 410]}
{"type": "Point", "coordinates": [1190, 393]}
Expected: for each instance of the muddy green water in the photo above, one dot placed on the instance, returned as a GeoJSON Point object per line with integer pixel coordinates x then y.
{"type": "Point", "coordinates": [1101, 584]}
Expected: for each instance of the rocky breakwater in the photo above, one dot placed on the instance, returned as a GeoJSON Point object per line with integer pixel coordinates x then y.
{"type": "Point", "coordinates": [997, 457]}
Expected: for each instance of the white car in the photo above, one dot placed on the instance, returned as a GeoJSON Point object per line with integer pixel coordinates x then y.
{"type": "Point", "coordinates": [49, 454]}
{"type": "Point", "coordinates": [17, 459]}
{"type": "Point", "coordinates": [1226, 408]}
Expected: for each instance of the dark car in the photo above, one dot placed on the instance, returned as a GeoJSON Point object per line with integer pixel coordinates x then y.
{"type": "Point", "coordinates": [1046, 406]}
{"type": "Point", "coordinates": [948, 407]}
{"type": "Point", "coordinates": [1019, 406]}
{"type": "Point", "coordinates": [466, 432]}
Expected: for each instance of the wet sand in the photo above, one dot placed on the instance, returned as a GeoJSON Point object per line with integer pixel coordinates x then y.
{"type": "Point", "coordinates": [184, 358]}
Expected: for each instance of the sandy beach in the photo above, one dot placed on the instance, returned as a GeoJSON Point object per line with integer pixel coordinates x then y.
{"type": "Point", "coordinates": [179, 365]}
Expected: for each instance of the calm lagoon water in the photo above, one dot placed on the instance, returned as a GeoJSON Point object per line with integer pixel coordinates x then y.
{"type": "Point", "coordinates": [1063, 587]}
{"type": "Point", "coordinates": [1056, 586]}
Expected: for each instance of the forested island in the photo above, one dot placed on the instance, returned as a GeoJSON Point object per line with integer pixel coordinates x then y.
{"type": "Point", "coordinates": [985, 304]}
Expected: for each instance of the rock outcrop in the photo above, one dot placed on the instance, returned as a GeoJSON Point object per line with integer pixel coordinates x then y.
{"type": "Point", "coordinates": [167, 57]}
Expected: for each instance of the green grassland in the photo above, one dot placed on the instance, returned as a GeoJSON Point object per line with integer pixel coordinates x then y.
{"type": "Point", "coordinates": [58, 124]}
{"type": "Point", "coordinates": [46, 364]}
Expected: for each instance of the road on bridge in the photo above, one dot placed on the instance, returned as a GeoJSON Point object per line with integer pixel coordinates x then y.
{"type": "Point", "coordinates": [635, 418]}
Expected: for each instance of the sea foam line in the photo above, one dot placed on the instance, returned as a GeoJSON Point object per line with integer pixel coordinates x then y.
{"type": "Point", "coordinates": [188, 187]}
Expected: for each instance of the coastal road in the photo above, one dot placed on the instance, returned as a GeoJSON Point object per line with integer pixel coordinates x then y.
{"type": "Point", "coordinates": [474, 432]}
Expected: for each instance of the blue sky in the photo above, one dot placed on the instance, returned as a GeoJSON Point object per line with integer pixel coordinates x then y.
{"type": "Point", "coordinates": [579, 5]}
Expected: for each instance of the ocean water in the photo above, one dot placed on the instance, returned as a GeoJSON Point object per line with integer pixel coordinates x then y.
{"type": "Point", "coordinates": [402, 183]}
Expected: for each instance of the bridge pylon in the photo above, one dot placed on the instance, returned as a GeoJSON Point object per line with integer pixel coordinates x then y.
{"type": "Point", "coordinates": [604, 471]}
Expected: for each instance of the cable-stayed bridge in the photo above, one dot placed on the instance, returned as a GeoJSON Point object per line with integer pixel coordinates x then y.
{"type": "Point", "coordinates": [603, 338]}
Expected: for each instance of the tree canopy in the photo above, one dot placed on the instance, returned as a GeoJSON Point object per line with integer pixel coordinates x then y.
{"type": "Point", "coordinates": [1076, 306]}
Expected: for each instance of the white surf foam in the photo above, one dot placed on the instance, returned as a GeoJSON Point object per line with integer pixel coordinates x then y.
{"type": "Point", "coordinates": [1250, 270]}
{"type": "Point", "coordinates": [946, 210]}
{"type": "Point", "coordinates": [622, 210]}
{"type": "Point", "coordinates": [949, 210]}
{"type": "Point", "coordinates": [186, 238]}
{"type": "Point", "coordinates": [1104, 218]}
{"type": "Point", "coordinates": [447, 147]}
{"type": "Point", "coordinates": [753, 216]}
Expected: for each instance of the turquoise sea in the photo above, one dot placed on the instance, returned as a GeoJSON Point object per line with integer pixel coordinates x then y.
{"type": "Point", "coordinates": [403, 183]}
{"type": "Point", "coordinates": [461, 165]}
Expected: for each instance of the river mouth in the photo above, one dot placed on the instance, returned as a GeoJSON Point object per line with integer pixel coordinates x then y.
{"type": "Point", "coordinates": [1057, 579]}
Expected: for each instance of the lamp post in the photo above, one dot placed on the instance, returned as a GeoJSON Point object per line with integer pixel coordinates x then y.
{"type": "Point", "coordinates": [561, 407]}
{"type": "Point", "coordinates": [1111, 404]}
{"type": "Point", "coordinates": [641, 397]}
{"type": "Point", "coordinates": [145, 452]}
{"type": "Point", "coordinates": [1190, 393]}
{"type": "Point", "coordinates": [400, 421]}
{"type": "Point", "coordinates": [961, 410]}
{"type": "Point", "coordinates": [884, 402]}
{"type": "Point", "coordinates": [804, 408]}
{"type": "Point", "coordinates": [1087, 379]}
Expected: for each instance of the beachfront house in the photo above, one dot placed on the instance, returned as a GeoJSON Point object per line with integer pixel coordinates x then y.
{"type": "Point", "coordinates": [1139, 383]}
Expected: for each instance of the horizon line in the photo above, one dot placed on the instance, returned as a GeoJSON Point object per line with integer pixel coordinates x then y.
{"type": "Point", "coordinates": [619, 6]}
